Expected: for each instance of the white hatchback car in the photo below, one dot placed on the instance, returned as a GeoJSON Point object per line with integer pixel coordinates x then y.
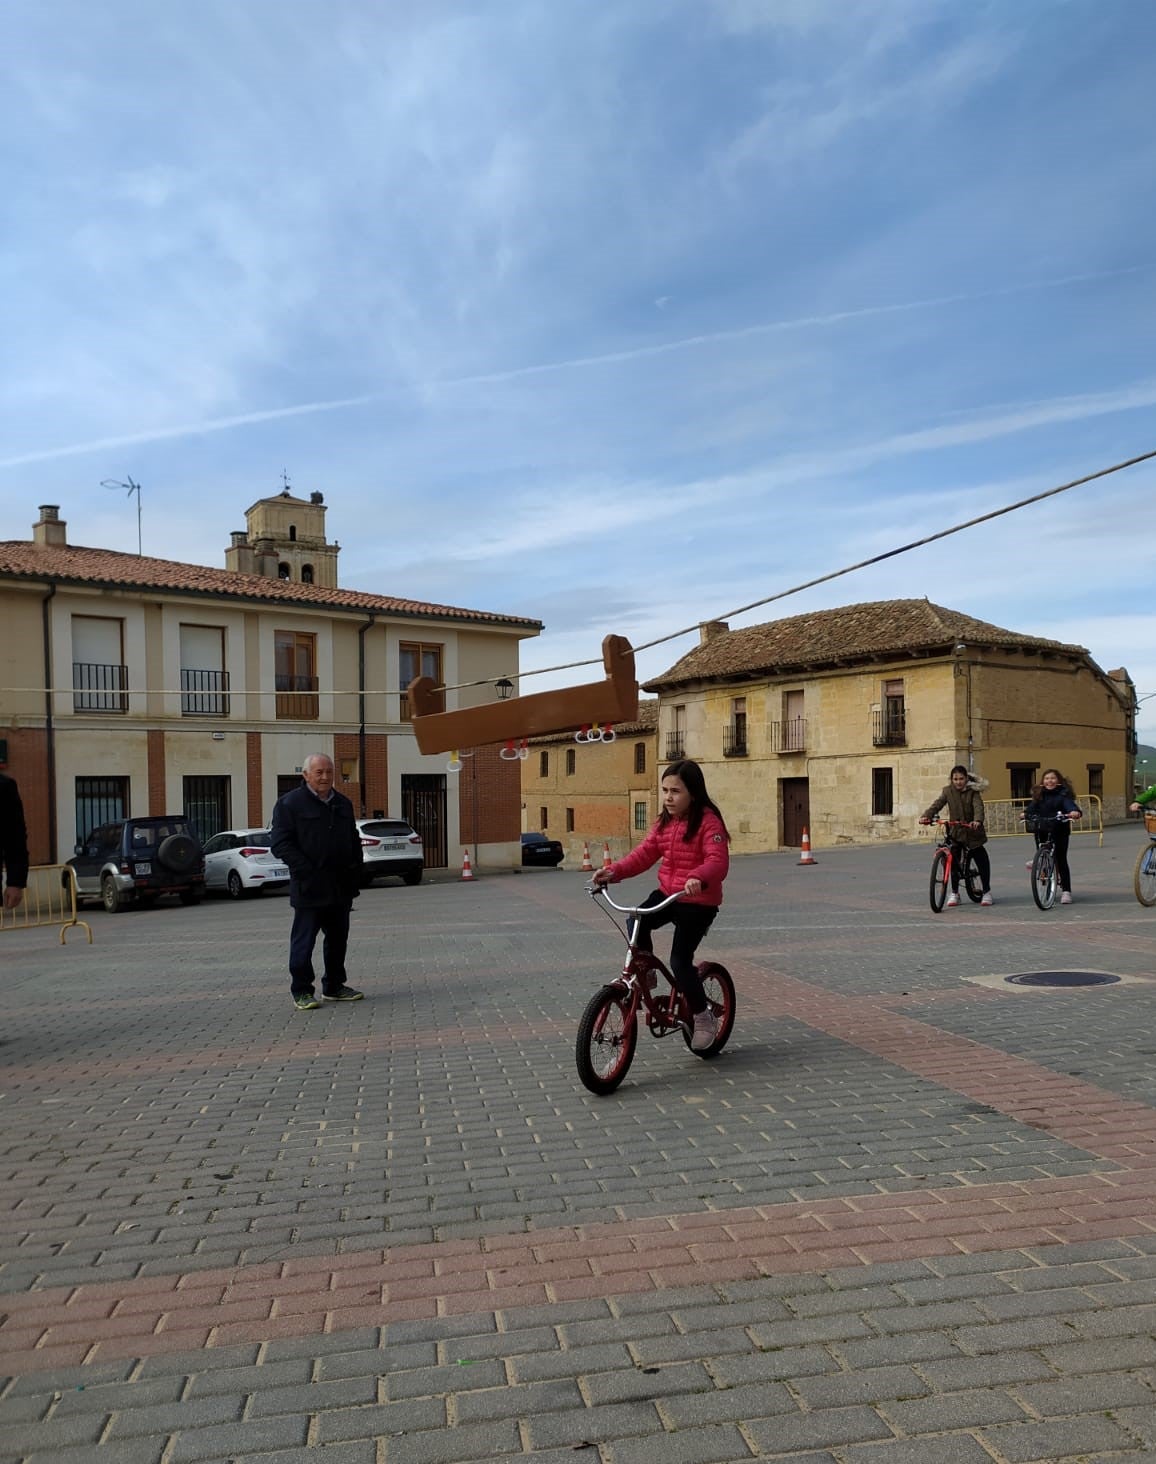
{"type": "Point", "coordinates": [240, 862]}
{"type": "Point", "coordinates": [390, 846]}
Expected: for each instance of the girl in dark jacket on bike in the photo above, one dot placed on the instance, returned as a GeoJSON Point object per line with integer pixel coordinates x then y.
{"type": "Point", "coordinates": [965, 806]}
{"type": "Point", "coordinates": [1051, 795]}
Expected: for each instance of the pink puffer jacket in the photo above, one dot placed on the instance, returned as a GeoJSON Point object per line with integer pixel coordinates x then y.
{"type": "Point", "coordinates": [705, 857]}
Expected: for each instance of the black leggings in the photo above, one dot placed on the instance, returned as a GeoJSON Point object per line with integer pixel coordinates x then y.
{"type": "Point", "coordinates": [1062, 832]}
{"type": "Point", "coordinates": [691, 923]}
{"type": "Point", "coordinates": [983, 868]}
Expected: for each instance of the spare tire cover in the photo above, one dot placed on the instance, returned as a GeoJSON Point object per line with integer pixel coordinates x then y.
{"type": "Point", "coordinates": [179, 853]}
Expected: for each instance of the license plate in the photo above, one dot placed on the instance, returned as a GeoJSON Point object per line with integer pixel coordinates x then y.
{"type": "Point", "coordinates": [142, 869]}
{"type": "Point", "coordinates": [279, 872]}
{"type": "Point", "coordinates": [393, 844]}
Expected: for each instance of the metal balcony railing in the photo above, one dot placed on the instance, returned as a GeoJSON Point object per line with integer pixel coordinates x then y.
{"type": "Point", "coordinates": [204, 693]}
{"type": "Point", "coordinates": [675, 746]}
{"type": "Point", "coordinates": [97, 688]}
{"type": "Point", "coordinates": [789, 735]}
{"type": "Point", "coordinates": [296, 698]}
{"type": "Point", "coordinates": [735, 740]}
{"type": "Point", "coordinates": [889, 726]}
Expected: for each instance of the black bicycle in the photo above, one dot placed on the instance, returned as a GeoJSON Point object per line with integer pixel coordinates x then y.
{"type": "Point", "coordinates": [1044, 883]}
{"type": "Point", "coordinates": [948, 852]}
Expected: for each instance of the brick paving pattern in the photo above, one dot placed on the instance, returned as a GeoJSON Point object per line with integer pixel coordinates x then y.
{"type": "Point", "coordinates": [903, 1218]}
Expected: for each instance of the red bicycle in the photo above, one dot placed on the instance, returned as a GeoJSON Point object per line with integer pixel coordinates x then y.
{"type": "Point", "coordinates": [608, 1031]}
{"type": "Point", "coordinates": [947, 851]}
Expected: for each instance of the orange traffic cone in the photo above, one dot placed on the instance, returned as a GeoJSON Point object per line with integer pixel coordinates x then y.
{"type": "Point", "coordinates": [586, 863]}
{"type": "Point", "coordinates": [467, 872]}
{"type": "Point", "coordinates": [806, 857]}
{"type": "Point", "coordinates": [606, 859]}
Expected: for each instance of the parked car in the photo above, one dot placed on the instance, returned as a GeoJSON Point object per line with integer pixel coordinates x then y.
{"type": "Point", "coordinates": [136, 860]}
{"type": "Point", "coordinates": [390, 846]}
{"type": "Point", "coordinates": [538, 850]}
{"type": "Point", "coordinates": [240, 862]}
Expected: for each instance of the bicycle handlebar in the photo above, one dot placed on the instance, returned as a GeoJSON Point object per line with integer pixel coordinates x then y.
{"type": "Point", "coordinates": [594, 891]}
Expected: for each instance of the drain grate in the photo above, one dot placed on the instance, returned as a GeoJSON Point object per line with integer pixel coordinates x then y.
{"type": "Point", "coordinates": [1062, 978]}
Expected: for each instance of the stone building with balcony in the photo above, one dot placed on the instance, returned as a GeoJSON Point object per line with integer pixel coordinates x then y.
{"type": "Point", "coordinates": [594, 792]}
{"type": "Point", "coordinates": [131, 685]}
{"type": "Point", "coordinates": [848, 721]}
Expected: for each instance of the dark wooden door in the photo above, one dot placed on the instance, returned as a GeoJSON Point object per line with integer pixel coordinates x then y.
{"type": "Point", "coordinates": [423, 806]}
{"type": "Point", "coordinates": [796, 810]}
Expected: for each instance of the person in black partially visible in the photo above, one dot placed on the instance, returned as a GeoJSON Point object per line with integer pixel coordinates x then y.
{"type": "Point", "coordinates": [314, 833]}
{"type": "Point", "coordinates": [13, 843]}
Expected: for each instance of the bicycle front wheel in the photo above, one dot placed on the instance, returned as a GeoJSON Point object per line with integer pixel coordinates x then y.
{"type": "Point", "coordinates": [1044, 878]}
{"type": "Point", "coordinates": [1144, 876]}
{"type": "Point", "coordinates": [971, 880]}
{"type": "Point", "coordinates": [607, 1037]}
{"type": "Point", "coordinates": [720, 997]}
{"type": "Point", "coordinates": [940, 873]}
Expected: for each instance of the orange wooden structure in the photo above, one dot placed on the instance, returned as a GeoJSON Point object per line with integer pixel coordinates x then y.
{"type": "Point", "coordinates": [614, 699]}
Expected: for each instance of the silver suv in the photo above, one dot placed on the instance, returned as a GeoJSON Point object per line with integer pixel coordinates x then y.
{"type": "Point", "coordinates": [133, 861]}
{"type": "Point", "coordinates": [390, 846]}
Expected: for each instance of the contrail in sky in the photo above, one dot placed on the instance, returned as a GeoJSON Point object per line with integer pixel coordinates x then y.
{"type": "Point", "coordinates": [635, 353]}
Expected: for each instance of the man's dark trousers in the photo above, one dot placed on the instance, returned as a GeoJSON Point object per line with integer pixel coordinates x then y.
{"type": "Point", "coordinates": [332, 921]}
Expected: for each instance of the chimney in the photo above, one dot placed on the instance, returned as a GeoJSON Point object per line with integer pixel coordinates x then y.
{"type": "Point", "coordinates": [710, 630]}
{"type": "Point", "coordinates": [50, 530]}
{"type": "Point", "coordinates": [266, 558]}
{"type": "Point", "coordinates": [239, 555]}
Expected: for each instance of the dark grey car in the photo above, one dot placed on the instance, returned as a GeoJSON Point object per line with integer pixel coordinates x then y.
{"type": "Point", "coordinates": [136, 860]}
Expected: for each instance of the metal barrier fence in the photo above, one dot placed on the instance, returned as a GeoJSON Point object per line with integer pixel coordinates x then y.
{"type": "Point", "coordinates": [1002, 817]}
{"type": "Point", "coordinates": [49, 899]}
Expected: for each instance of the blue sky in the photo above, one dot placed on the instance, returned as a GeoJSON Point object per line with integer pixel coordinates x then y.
{"type": "Point", "coordinates": [619, 316]}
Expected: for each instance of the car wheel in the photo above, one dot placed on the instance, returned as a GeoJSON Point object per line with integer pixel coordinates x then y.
{"type": "Point", "coordinates": [190, 897]}
{"type": "Point", "coordinates": [235, 885]}
{"type": "Point", "coordinates": [110, 897]}
{"type": "Point", "coordinates": [412, 876]}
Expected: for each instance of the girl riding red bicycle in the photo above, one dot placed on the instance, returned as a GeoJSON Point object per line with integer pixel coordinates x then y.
{"type": "Point", "coordinates": [691, 839]}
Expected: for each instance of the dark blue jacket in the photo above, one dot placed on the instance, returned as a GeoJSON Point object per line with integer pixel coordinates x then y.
{"type": "Point", "coordinates": [13, 835]}
{"type": "Point", "coordinates": [321, 845]}
{"type": "Point", "coordinates": [1050, 802]}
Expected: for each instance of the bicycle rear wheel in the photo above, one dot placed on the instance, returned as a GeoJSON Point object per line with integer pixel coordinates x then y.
{"type": "Point", "coordinates": [607, 1037]}
{"type": "Point", "coordinates": [1144, 876]}
{"type": "Point", "coordinates": [940, 866]}
{"type": "Point", "coordinates": [971, 880]}
{"type": "Point", "coordinates": [720, 997]}
{"type": "Point", "coordinates": [1044, 878]}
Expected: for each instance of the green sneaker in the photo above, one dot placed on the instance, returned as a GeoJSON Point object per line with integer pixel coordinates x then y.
{"type": "Point", "coordinates": [306, 1002]}
{"type": "Point", "coordinates": [344, 993]}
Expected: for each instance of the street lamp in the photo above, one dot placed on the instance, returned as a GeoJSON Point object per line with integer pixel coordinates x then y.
{"type": "Point", "coordinates": [505, 688]}
{"type": "Point", "coordinates": [130, 488]}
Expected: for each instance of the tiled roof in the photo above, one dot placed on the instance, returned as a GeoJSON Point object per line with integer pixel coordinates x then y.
{"type": "Point", "coordinates": [71, 564]}
{"type": "Point", "coordinates": [647, 722]}
{"type": "Point", "coordinates": [873, 631]}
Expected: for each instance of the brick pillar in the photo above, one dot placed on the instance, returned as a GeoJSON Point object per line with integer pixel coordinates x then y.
{"type": "Point", "coordinates": [28, 764]}
{"type": "Point", "coordinates": [499, 798]}
{"type": "Point", "coordinates": [376, 773]}
{"type": "Point", "coordinates": [156, 758]}
{"type": "Point", "coordinates": [253, 778]}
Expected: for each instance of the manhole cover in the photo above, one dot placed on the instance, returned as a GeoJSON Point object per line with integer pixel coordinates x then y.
{"type": "Point", "coordinates": [1062, 978]}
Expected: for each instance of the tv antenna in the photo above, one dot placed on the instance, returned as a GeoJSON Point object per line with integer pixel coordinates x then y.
{"type": "Point", "coordinates": [130, 487]}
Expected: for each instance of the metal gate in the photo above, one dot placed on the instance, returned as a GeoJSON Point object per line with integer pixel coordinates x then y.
{"type": "Point", "coordinates": [207, 805]}
{"type": "Point", "coordinates": [99, 801]}
{"type": "Point", "coordinates": [423, 805]}
{"type": "Point", "coordinates": [796, 810]}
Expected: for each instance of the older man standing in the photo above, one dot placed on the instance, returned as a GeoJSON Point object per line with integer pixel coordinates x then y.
{"type": "Point", "coordinates": [314, 833]}
{"type": "Point", "coordinates": [13, 843]}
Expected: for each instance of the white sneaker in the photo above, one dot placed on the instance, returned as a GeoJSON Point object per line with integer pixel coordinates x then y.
{"type": "Point", "coordinates": [1065, 898]}
{"type": "Point", "coordinates": [952, 899]}
{"type": "Point", "coordinates": [1029, 863]}
{"type": "Point", "coordinates": [705, 1031]}
{"type": "Point", "coordinates": [987, 899]}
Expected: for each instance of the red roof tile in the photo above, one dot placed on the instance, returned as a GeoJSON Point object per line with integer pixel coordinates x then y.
{"type": "Point", "coordinates": [72, 564]}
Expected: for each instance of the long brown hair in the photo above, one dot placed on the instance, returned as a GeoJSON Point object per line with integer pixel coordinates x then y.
{"type": "Point", "coordinates": [1038, 789]}
{"type": "Point", "coordinates": [693, 781]}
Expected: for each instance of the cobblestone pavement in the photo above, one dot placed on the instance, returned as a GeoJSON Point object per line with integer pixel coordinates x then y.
{"type": "Point", "coordinates": [906, 1218]}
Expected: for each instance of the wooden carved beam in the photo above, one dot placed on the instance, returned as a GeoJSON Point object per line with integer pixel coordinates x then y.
{"type": "Point", "coordinates": [607, 702]}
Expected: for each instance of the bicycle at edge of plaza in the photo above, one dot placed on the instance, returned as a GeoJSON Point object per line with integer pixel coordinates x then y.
{"type": "Point", "coordinates": [608, 1029]}
{"type": "Point", "coordinates": [1045, 885]}
{"type": "Point", "coordinates": [1144, 874]}
{"type": "Point", "coordinates": [949, 852]}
